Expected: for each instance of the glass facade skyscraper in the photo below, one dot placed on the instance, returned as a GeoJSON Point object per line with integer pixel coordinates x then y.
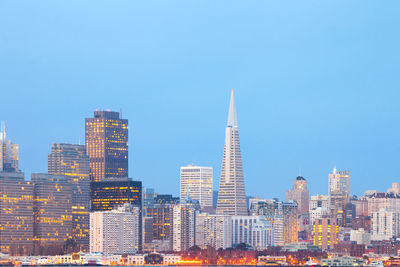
{"type": "Point", "coordinates": [71, 160]}
{"type": "Point", "coordinates": [107, 145]}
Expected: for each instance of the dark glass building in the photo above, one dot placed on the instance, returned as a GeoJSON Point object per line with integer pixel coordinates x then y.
{"type": "Point", "coordinates": [107, 145]}
{"type": "Point", "coordinates": [107, 195]}
{"type": "Point", "coordinates": [71, 160]}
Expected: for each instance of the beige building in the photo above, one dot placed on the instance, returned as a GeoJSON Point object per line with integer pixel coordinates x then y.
{"type": "Point", "coordinates": [325, 233]}
{"type": "Point", "coordinates": [197, 183]}
{"type": "Point", "coordinates": [300, 194]}
{"type": "Point", "coordinates": [213, 230]}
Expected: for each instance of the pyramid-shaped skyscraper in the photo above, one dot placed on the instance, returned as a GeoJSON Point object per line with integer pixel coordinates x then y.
{"type": "Point", "coordinates": [231, 195]}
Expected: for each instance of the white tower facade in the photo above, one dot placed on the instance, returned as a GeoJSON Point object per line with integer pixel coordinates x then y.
{"type": "Point", "coordinates": [231, 195]}
{"type": "Point", "coordinates": [197, 183]}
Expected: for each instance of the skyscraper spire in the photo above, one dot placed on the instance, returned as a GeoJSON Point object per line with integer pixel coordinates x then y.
{"type": "Point", "coordinates": [231, 195]}
{"type": "Point", "coordinates": [232, 116]}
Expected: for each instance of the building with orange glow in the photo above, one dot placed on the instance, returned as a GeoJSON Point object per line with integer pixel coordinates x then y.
{"type": "Point", "coordinates": [107, 145]}
{"type": "Point", "coordinates": [51, 210]}
{"type": "Point", "coordinates": [71, 160]}
{"type": "Point", "coordinates": [325, 233]}
{"type": "Point", "coordinates": [16, 220]}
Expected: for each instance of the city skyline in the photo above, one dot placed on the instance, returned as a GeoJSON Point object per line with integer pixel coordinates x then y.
{"type": "Point", "coordinates": [313, 91]}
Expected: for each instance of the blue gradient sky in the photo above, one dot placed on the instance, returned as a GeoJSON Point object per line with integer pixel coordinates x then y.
{"type": "Point", "coordinates": [316, 82]}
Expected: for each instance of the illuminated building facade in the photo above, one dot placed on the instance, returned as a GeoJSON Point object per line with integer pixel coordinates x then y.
{"type": "Point", "coordinates": [16, 220]}
{"type": "Point", "coordinates": [252, 230]}
{"type": "Point", "coordinates": [9, 153]}
{"type": "Point", "coordinates": [385, 224]}
{"type": "Point", "coordinates": [162, 220]}
{"type": "Point", "coordinates": [339, 193]}
{"type": "Point", "coordinates": [116, 231]}
{"type": "Point", "coordinates": [197, 182]}
{"type": "Point", "coordinates": [325, 233]}
{"type": "Point", "coordinates": [71, 160]}
{"type": "Point", "coordinates": [51, 210]}
{"type": "Point", "coordinates": [108, 195]}
{"type": "Point", "coordinates": [107, 145]}
{"type": "Point", "coordinates": [183, 227]}
{"type": "Point", "coordinates": [231, 195]}
{"type": "Point", "coordinates": [213, 230]}
{"type": "Point", "coordinates": [300, 194]}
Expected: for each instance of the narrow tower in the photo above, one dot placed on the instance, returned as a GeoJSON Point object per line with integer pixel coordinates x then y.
{"type": "Point", "coordinates": [231, 195]}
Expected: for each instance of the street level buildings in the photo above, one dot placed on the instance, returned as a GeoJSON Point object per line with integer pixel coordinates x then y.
{"type": "Point", "coordinates": [71, 160]}
{"type": "Point", "coordinates": [196, 182]}
{"type": "Point", "coordinates": [107, 145]}
{"type": "Point", "coordinates": [115, 231]}
{"type": "Point", "coordinates": [231, 195]}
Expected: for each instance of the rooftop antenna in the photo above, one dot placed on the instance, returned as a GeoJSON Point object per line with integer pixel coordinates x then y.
{"type": "Point", "coordinates": [120, 113]}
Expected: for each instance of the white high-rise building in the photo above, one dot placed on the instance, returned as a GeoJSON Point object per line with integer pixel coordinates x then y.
{"type": "Point", "coordinates": [231, 195]}
{"type": "Point", "coordinates": [213, 230]}
{"type": "Point", "coordinates": [252, 230]}
{"type": "Point", "coordinates": [385, 225]}
{"type": "Point", "coordinates": [116, 231]}
{"type": "Point", "coordinates": [9, 152]}
{"type": "Point", "coordinates": [339, 190]}
{"type": "Point", "coordinates": [319, 201]}
{"type": "Point", "coordinates": [197, 183]}
{"type": "Point", "coordinates": [183, 227]}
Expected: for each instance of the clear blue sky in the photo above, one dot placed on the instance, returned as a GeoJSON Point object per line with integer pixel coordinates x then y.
{"type": "Point", "coordinates": [316, 82]}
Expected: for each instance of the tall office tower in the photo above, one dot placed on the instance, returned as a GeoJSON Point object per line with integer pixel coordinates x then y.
{"type": "Point", "coordinates": [197, 182]}
{"type": "Point", "coordinates": [51, 210]}
{"type": "Point", "coordinates": [116, 231]}
{"type": "Point", "coordinates": [339, 193]}
{"type": "Point", "coordinates": [325, 233]}
{"type": "Point", "coordinates": [231, 195]}
{"type": "Point", "coordinates": [213, 230]}
{"type": "Point", "coordinates": [107, 145]}
{"type": "Point", "coordinates": [290, 222]}
{"type": "Point", "coordinates": [385, 224]}
{"type": "Point", "coordinates": [300, 194]}
{"type": "Point", "coordinates": [16, 220]}
{"type": "Point", "coordinates": [252, 230]}
{"type": "Point", "coordinates": [72, 161]}
{"type": "Point", "coordinates": [9, 153]}
{"type": "Point", "coordinates": [183, 227]}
